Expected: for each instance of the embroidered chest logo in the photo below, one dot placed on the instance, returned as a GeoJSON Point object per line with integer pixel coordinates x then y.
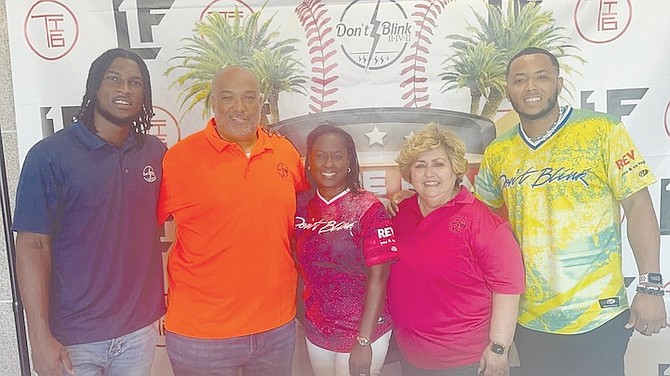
{"type": "Point", "coordinates": [149, 174]}
{"type": "Point", "coordinates": [282, 170]}
{"type": "Point", "coordinates": [457, 224]}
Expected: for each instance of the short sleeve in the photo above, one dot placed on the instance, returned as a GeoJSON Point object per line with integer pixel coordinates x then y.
{"type": "Point", "coordinates": [37, 195]}
{"type": "Point", "coordinates": [487, 189]}
{"type": "Point", "coordinates": [378, 237]}
{"type": "Point", "coordinates": [164, 209]}
{"type": "Point", "coordinates": [499, 258]}
{"type": "Point", "coordinates": [300, 177]}
{"type": "Point", "coordinates": [628, 172]}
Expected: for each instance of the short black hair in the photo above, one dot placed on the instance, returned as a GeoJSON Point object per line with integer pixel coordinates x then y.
{"type": "Point", "coordinates": [353, 181]}
{"type": "Point", "coordinates": [94, 80]}
{"type": "Point", "coordinates": [533, 51]}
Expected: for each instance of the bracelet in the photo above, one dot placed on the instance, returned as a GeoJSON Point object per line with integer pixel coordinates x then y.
{"type": "Point", "coordinates": [650, 290]}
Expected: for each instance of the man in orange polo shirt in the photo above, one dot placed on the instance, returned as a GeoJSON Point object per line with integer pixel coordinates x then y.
{"type": "Point", "coordinates": [232, 282]}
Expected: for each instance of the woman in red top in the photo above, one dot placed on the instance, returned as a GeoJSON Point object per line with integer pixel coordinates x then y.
{"type": "Point", "coordinates": [454, 292]}
{"type": "Point", "coordinates": [344, 245]}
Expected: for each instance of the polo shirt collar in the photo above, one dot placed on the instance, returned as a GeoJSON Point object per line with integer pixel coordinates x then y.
{"type": "Point", "coordinates": [462, 197]}
{"type": "Point", "coordinates": [93, 141]}
{"type": "Point", "coordinates": [219, 144]}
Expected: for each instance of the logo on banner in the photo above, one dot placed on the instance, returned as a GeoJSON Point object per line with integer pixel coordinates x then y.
{"type": "Point", "coordinates": [49, 126]}
{"type": "Point", "coordinates": [134, 26]}
{"type": "Point", "coordinates": [663, 369]}
{"type": "Point", "coordinates": [165, 126]}
{"type": "Point", "coordinates": [51, 29]}
{"type": "Point", "coordinates": [666, 119]}
{"type": "Point", "coordinates": [374, 37]}
{"type": "Point", "coordinates": [619, 101]}
{"type": "Point", "coordinates": [602, 21]}
{"type": "Point", "coordinates": [227, 9]}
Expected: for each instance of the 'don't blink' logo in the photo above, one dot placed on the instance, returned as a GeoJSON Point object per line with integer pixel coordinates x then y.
{"type": "Point", "coordinates": [50, 29]}
{"type": "Point", "coordinates": [602, 21]}
{"type": "Point", "coordinates": [227, 9]}
{"type": "Point", "coordinates": [374, 36]}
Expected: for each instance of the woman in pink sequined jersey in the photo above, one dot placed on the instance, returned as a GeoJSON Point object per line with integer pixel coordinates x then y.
{"type": "Point", "coordinates": [344, 247]}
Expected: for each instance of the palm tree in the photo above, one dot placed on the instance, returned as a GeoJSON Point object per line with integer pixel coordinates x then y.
{"type": "Point", "coordinates": [519, 28]}
{"type": "Point", "coordinates": [278, 71]}
{"type": "Point", "coordinates": [477, 67]}
{"type": "Point", "coordinates": [217, 42]}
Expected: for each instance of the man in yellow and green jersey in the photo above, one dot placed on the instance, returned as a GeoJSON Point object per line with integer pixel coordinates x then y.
{"type": "Point", "coordinates": [563, 174]}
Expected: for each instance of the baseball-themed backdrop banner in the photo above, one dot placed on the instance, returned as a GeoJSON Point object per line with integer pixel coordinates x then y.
{"type": "Point", "coordinates": [381, 69]}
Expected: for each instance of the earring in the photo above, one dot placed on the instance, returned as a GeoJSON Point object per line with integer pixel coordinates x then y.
{"type": "Point", "coordinates": [348, 170]}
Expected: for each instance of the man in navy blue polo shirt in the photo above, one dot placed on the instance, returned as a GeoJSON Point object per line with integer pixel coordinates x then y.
{"type": "Point", "coordinates": [88, 256]}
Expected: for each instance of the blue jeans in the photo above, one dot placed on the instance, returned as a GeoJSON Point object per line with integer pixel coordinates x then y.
{"type": "Point", "coordinates": [129, 355]}
{"type": "Point", "coordinates": [267, 353]}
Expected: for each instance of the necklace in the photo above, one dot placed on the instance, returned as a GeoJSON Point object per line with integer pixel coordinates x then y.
{"type": "Point", "coordinates": [550, 131]}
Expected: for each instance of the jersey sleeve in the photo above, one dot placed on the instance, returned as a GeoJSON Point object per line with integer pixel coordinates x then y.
{"type": "Point", "coordinates": [379, 245]}
{"type": "Point", "coordinates": [487, 188]}
{"type": "Point", "coordinates": [628, 172]}
{"type": "Point", "coordinates": [37, 195]}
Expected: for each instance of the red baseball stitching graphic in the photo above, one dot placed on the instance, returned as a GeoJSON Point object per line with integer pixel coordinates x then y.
{"type": "Point", "coordinates": [312, 15]}
{"type": "Point", "coordinates": [426, 22]}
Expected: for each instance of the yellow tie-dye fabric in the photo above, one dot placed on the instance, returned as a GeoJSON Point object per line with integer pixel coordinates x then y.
{"type": "Point", "coordinates": [563, 198]}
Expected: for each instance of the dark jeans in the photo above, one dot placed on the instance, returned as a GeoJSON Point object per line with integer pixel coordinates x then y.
{"type": "Point", "coordinates": [410, 370]}
{"type": "Point", "coordinates": [262, 354]}
{"type": "Point", "coordinates": [599, 352]}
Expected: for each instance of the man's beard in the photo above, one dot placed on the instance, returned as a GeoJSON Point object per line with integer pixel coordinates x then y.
{"type": "Point", "coordinates": [116, 120]}
{"type": "Point", "coordinates": [551, 103]}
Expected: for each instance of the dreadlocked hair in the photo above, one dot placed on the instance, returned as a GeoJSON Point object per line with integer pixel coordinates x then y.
{"type": "Point", "coordinates": [94, 80]}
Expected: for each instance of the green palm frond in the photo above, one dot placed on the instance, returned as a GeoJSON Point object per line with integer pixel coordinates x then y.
{"type": "Point", "coordinates": [218, 42]}
{"type": "Point", "coordinates": [482, 53]}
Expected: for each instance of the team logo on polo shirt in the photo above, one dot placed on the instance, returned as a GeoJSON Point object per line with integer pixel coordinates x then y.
{"type": "Point", "coordinates": [149, 174]}
{"type": "Point", "coordinates": [282, 170]}
{"type": "Point", "coordinates": [457, 224]}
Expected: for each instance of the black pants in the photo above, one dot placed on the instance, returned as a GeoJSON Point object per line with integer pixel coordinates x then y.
{"type": "Point", "coordinates": [599, 352]}
{"type": "Point", "coordinates": [410, 370]}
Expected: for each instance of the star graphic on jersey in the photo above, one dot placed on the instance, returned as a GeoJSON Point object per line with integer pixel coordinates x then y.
{"type": "Point", "coordinates": [376, 137]}
{"type": "Point", "coordinates": [410, 135]}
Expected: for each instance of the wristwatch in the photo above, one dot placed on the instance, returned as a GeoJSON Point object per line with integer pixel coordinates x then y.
{"type": "Point", "coordinates": [651, 278]}
{"type": "Point", "coordinates": [498, 348]}
{"type": "Point", "coordinates": [363, 341]}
